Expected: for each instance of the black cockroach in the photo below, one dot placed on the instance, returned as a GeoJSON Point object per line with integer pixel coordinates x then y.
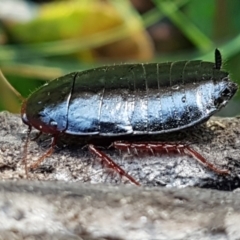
{"type": "Point", "coordinates": [129, 100]}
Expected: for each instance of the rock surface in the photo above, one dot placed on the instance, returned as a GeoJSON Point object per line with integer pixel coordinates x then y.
{"type": "Point", "coordinates": [56, 210]}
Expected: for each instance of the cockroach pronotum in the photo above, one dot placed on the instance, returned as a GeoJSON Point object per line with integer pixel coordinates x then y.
{"type": "Point", "coordinates": [130, 100]}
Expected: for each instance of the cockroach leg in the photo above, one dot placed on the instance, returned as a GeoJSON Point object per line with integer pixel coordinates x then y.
{"type": "Point", "coordinates": [111, 164]}
{"type": "Point", "coordinates": [25, 147]}
{"type": "Point", "coordinates": [201, 159]}
{"type": "Point", "coordinates": [168, 148]}
{"type": "Point", "coordinates": [46, 154]}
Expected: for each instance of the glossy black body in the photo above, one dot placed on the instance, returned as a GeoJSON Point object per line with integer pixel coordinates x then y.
{"type": "Point", "coordinates": [130, 99]}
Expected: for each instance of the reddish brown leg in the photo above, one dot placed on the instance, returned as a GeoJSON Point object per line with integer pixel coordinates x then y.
{"type": "Point", "coordinates": [25, 151]}
{"type": "Point", "coordinates": [168, 148]}
{"type": "Point", "coordinates": [111, 164]}
{"type": "Point", "coordinates": [46, 154]}
{"type": "Point", "coordinates": [204, 161]}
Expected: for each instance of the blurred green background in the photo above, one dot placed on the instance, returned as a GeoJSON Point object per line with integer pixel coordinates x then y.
{"type": "Point", "coordinates": [42, 40]}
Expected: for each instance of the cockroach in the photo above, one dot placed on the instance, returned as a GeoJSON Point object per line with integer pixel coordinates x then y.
{"type": "Point", "coordinates": [130, 100]}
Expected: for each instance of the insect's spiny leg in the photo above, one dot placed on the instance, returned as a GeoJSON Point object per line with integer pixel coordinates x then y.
{"type": "Point", "coordinates": [165, 148]}
{"type": "Point", "coordinates": [204, 161]}
{"type": "Point", "coordinates": [151, 150]}
{"type": "Point", "coordinates": [129, 151]}
{"type": "Point", "coordinates": [169, 148]}
{"type": "Point", "coordinates": [135, 151]}
{"type": "Point", "coordinates": [25, 150]}
{"type": "Point", "coordinates": [111, 164]}
{"type": "Point", "coordinates": [150, 147]}
{"type": "Point", "coordinates": [46, 154]}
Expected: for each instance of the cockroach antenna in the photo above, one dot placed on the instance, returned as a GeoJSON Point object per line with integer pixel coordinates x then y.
{"type": "Point", "coordinates": [5, 81]}
{"type": "Point", "coordinates": [21, 98]}
{"type": "Point", "coordinates": [218, 59]}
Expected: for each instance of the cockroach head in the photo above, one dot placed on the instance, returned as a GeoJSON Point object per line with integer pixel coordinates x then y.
{"type": "Point", "coordinates": [224, 91]}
